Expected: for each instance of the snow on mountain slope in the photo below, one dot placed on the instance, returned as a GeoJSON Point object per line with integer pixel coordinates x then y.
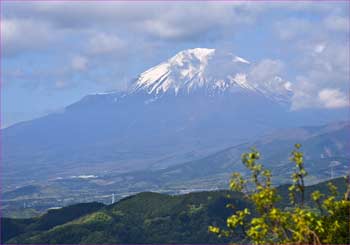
{"type": "Point", "coordinates": [202, 68]}
{"type": "Point", "coordinates": [148, 126]}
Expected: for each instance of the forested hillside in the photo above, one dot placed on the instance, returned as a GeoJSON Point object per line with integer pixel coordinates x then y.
{"type": "Point", "coordinates": [143, 218]}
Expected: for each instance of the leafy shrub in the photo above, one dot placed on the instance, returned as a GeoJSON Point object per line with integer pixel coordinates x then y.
{"type": "Point", "coordinates": [298, 223]}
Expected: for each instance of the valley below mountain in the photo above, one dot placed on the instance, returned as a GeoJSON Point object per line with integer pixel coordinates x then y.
{"type": "Point", "coordinates": [181, 126]}
{"type": "Point", "coordinates": [143, 218]}
{"type": "Point", "coordinates": [326, 157]}
{"type": "Point", "coordinates": [191, 122]}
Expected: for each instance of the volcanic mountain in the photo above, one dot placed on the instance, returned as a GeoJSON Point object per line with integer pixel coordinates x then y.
{"type": "Point", "coordinates": [193, 104]}
{"type": "Point", "coordinates": [204, 69]}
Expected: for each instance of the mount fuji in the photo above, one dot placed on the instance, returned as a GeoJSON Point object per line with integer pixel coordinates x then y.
{"type": "Point", "coordinates": [194, 104]}
{"type": "Point", "coordinates": [204, 69]}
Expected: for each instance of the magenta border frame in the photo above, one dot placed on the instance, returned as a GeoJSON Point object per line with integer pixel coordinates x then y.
{"type": "Point", "coordinates": [164, 1]}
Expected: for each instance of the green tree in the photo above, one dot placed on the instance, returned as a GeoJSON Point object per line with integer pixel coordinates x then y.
{"type": "Point", "coordinates": [327, 221]}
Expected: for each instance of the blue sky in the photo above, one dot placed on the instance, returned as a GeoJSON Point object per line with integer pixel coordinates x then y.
{"type": "Point", "coordinates": [54, 53]}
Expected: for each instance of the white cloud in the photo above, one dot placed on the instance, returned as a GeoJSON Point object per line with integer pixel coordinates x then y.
{"type": "Point", "coordinates": [9, 29]}
{"type": "Point", "coordinates": [319, 48]}
{"type": "Point", "coordinates": [270, 75]}
{"type": "Point", "coordinates": [195, 21]}
{"type": "Point", "coordinates": [312, 91]}
{"type": "Point", "coordinates": [24, 35]}
{"type": "Point", "coordinates": [333, 98]}
{"type": "Point", "coordinates": [79, 63]}
{"type": "Point", "coordinates": [170, 20]}
{"type": "Point", "coordinates": [292, 28]}
{"type": "Point", "coordinates": [321, 62]}
{"type": "Point", "coordinates": [337, 23]}
{"type": "Point", "coordinates": [321, 58]}
{"type": "Point", "coordinates": [266, 70]}
{"type": "Point", "coordinates": [163, 29]}
{"type": "Point", "coordinates": [304, 94]}
{"type": "Point", "coordinates": [103, 43]}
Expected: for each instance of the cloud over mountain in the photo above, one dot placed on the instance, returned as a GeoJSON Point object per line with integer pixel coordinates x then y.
{"type": "Point", "coordinates": [308, 41]}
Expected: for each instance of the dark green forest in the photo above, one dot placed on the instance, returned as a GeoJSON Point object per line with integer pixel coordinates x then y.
{"type": "Point", "coordinates": [143, 218]}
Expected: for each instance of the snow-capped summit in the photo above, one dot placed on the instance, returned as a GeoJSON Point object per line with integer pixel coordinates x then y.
{"type": "Point", "coordinates": [203, 68]}
{"type": "Point", "coordinates": [188, 64]}
{"type": "Point", "coordinates": [161, 121]}
{"type": "Point", "coordinates": [188, 70]}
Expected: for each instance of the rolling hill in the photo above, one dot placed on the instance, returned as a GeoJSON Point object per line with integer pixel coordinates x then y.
{"type": "Point", "coordinates": [325, 149]}
{"type": "Point", "coordinates": [143, 218]}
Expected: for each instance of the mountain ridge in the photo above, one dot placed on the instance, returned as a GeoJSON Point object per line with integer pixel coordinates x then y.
{"type": "Point", "coordinates": [325, 156]}
{"type": "Point", "coordinates": [146, 217]}
{"type": "Point", "coordinates": [128, 131]}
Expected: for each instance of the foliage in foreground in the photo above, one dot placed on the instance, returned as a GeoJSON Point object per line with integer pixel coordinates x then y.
{"type": "Point", "coordinates": [143, 218]}
{"type": "Point", "coordinates": [324, 221]}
